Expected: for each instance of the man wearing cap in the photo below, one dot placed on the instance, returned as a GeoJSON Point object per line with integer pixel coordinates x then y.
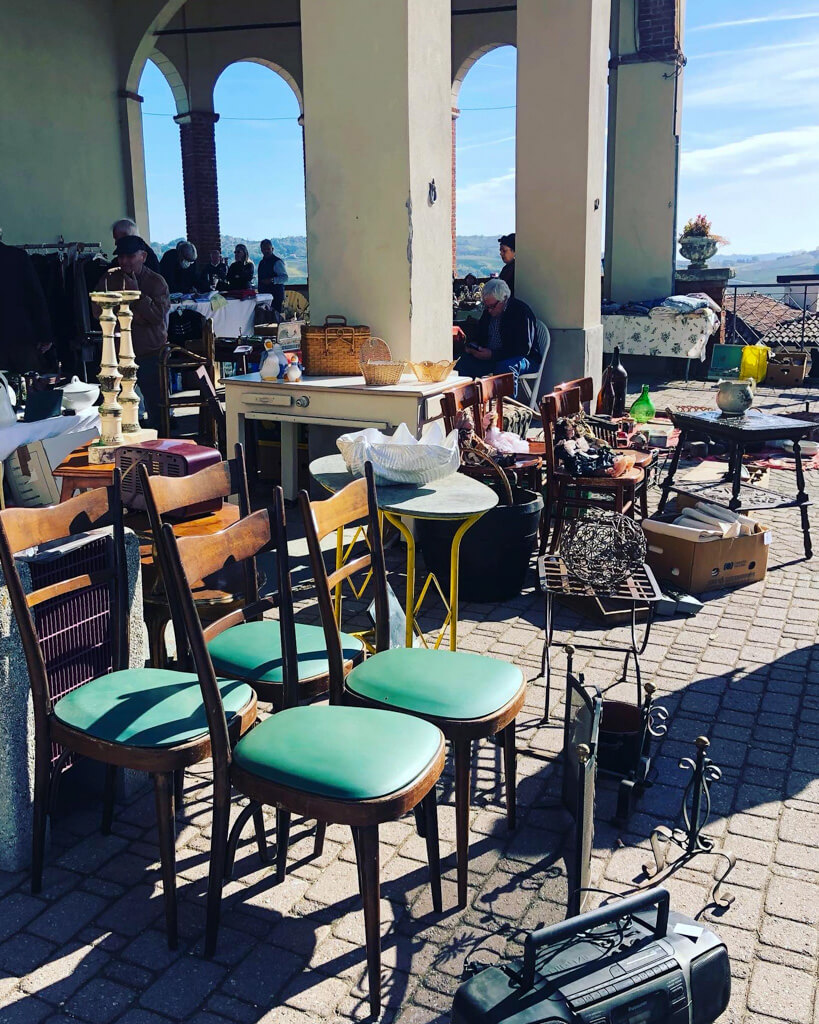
{"type": "Point", "coordinates": [149, 329]}
{"type": "Point", "coordinates": [126, 226]}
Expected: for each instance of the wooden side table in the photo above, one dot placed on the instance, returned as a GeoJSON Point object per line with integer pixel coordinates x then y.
{"type": "Point", "coordinates": [79, 475]}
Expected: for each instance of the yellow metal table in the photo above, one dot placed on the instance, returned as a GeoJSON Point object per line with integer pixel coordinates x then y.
{"type": "Point", "coordinates": [455, 497]}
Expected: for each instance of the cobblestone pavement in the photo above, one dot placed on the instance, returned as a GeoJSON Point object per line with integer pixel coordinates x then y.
{"type": "Point", "coordinates": [745, 671]}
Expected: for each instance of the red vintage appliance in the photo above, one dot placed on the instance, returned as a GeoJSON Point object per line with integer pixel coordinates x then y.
{"type": "Point", "coordinates": [164, 457]}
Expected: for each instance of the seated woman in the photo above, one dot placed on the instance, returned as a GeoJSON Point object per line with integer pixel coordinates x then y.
{"type": "Point", "coordinates": [240, 272]}
{"type": "Point", "coordinates": [504, 340]}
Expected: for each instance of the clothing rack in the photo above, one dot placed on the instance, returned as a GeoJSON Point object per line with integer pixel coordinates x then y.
{"type": "Point", "coordinates": [60, 245]}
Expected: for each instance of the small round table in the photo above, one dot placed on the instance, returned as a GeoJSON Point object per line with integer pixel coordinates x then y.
{"type": "Point", "coordinates": [455, 497]}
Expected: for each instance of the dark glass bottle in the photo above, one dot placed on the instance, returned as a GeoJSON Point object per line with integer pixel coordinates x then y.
{"type": "Point", "coordinates": [619, 382]}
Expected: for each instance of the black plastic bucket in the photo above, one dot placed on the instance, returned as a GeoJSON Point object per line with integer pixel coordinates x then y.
{"type": "Point", "coordinates": [495, 551]}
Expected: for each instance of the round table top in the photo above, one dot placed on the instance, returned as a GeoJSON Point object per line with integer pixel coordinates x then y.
{"type": "Point", "coordinates": [452, 497]}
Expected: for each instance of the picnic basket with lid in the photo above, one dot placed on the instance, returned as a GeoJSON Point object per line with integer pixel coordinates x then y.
{"type": "Point", "coordinates": [332, 349]}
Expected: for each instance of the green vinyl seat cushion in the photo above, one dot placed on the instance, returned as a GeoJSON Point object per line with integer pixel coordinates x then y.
{"type": "Point", "coordinates": [437, 684]}
{"type": "Point", "coordinates": [146, 707]}
{"type": "Point", "coordinates": [253, 651]}
{"type": "Point", "coordinates": [343, 753]}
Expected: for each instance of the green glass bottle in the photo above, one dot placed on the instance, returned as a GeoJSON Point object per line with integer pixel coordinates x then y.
{"type": "Point", "coordinates": [642, 409]}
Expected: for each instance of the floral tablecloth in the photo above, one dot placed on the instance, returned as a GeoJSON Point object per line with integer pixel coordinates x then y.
{"type": "Point", "coordinates": [662, 333]}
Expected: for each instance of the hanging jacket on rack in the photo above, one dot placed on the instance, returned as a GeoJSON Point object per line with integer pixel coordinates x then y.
{"type": "Point", "coordinates": [24, 318]}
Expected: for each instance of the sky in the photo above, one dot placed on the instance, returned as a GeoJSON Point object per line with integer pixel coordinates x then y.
{"type": "Point", "coordinates": [750, 136]}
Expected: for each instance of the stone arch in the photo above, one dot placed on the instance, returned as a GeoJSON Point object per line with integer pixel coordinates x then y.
{"type": "Point", "coordinates": [278, 69]}
{"type": "Point", "coordinates": [468, 63]}
{"type": "Point", "coordinates": [140, 41]}
{"type": "Point", "coordinates": [172, 77]}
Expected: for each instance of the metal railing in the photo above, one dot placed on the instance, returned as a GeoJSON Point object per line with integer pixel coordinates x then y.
{"type": "Point", "coordinates": [779, 315]}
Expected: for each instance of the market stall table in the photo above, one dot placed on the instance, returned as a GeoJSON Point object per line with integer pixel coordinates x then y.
{"type": "Point", "coordinates": [234, 319]}
{"type": "Point", "coordinates": [741, 432]}
{"type": "Point", "coordinates": [343, 402]}
{"type": "Point", "coordinates": [453, 498]}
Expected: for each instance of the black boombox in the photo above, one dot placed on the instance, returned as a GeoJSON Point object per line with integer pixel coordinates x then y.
{"type": "Point", "coordinates": [633, 962]}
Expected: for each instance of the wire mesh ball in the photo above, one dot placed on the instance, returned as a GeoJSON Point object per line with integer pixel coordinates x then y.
{"type": "Point", "coordinates": [603, 549]}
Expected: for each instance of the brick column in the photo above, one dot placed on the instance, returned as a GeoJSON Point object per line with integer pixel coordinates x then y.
{"type": "Point", "coordinates": [199, 178]}
{"type": "Point", "coordinates": [455, 115]}
{"type": "Point", "coordinates": [657, 27]}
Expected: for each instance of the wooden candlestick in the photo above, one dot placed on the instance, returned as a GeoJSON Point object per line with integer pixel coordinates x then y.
{"type": "Point", "coordinates": [109, 377]}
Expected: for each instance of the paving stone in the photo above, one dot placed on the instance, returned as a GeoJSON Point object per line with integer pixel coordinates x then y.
{"type": "Point", "coordinates": [183, 987]}
{"type": "Point", "coordinates": [781, 992]}
{"type": "Point", "coordinates": [100, 1001]}
{"type": "Point", "coordinates": [63, 973]}
{"type": "Point", "coordinates": [65, 918]}
{"type": "Point", "coordinates": [797, 902]}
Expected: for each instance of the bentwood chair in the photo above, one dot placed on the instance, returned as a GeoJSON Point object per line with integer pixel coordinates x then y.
{"type": "Point", "coordinates": [468, 696]}
{"type": "Point", "coordinates": [346, 765]}
{"type": "Point", "coordinates": [608, 433]}
{"type": "Point", "coordinates": [150, 720]}
{"type": "Point", "coordinates": [250, 649]}
{"type": "Point", "coordinates": [568, 492]}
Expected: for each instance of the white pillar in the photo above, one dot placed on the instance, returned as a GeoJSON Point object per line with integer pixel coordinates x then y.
{"type": "Point", "coordinates": [561, 103]}
{"type": "Point", "coordinates": [378, 131]}
{"type": "Point", "coordinates": [645, 101]}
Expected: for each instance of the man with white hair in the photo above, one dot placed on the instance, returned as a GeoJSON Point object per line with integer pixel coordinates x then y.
{"type": "Point", "coordinates": [125, 227]}
{"type": "Point", "coordinates": [504, 340]}
{"type": "Point", "coordinates": [178, 267]}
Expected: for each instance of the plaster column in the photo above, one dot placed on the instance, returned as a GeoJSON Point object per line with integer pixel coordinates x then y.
{"type": "Point", "coordinates": [561, 96]}
{"type": "Point", "coordinates": [455, 115]}
{"type": "Point", "coordinates": [645, 102]}
{"type": "Point", "coordinates": [378, 131]}
{"type": "Point", "coordinates": [199, 179]}
{"type": "Point", "coordinates": [133, 158]}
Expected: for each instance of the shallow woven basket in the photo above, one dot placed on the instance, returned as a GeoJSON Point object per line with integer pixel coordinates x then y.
{"type": "Point", "coordinates": [377, 365]}
{"type": "Point", "coordinates": [432, 373]}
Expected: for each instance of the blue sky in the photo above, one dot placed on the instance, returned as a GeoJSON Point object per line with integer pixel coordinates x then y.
{"type": "Point", "coordinates": [750, 145]}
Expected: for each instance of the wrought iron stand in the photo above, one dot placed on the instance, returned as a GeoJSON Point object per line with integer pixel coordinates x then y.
{"type": "Point", "coordinates": [691, 840]}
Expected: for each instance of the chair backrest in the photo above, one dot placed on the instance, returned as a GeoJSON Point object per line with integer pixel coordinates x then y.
{"type": "Point", "coordinates": [188, 560]}
{"type": "Point", "coordinates": [215, 407]}
{"type": "Point", "coordinates": [24, 528]}
{"type": "Point", "coordinates": [460, 397]}
{"type": "Point", "coordinates": [354, 503]}
{"type": "Point", "coordinates": [553, 406]}
{"type": "Point", "coordinates": [585, 386]}
{"type": "Point", "coordinates": [165, 494]}
{"type": "Point", "coordinates": [495, 389]}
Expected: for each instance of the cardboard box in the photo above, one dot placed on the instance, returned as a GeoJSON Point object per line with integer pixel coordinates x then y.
{"type": "Point", "coordinates": [700, 566]}
{"type": "Point", "coordinates": [786, 369]}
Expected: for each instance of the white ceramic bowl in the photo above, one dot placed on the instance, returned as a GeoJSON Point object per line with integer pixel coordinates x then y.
{"type": "Point", "coordinates": [79, 395]}
{"type": "Point", "coordinates": [402, 458]}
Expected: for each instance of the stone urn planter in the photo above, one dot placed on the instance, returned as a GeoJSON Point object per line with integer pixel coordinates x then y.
{"type": "Point", "coordinates": [698, 249]}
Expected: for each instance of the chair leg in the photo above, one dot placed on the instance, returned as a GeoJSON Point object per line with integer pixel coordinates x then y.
{"type": "Point", "coordinates": [430, 814]}
{"type": "Point", "coordinates": [420, 820]}
{"type": "Point", "coordinates": [644, 499]}
{"type": "Point", "coordinates": [261, 835]}
{"type": "Point", "coordinates": [510, 757]}
{"type": "Point", "coordinates": [318, 845]}
{"type": "Point", "coordinates": [218, 860]}
{"type": "Point", "coordinates": [166, 826]}
{"type": "Point", "coordinates": [42, 787]}
{"type": "Point", "coordinates": [371, 898]}
{"type": "Point", "coordinates": [618, 501]}
{"type": "Point", "coordinates": [463, 766]}
{"type": "Point", "coordinates": [109, 793]}
{"type": "Point", "coordinates": [560, 502]}
{"type": "Point", "coordinates": [179, 787]}
{"type": "Point", "coordinates": [282, 842]}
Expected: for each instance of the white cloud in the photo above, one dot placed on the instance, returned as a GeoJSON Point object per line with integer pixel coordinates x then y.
{"type": "Point", "coordinates": [487, 142]}
{"type": "Point", "coordinates": [795, 148]}
{"type": "Point", "coordinates": [756, 21]}
{"type": "Point", "coordinates": [483, 191]}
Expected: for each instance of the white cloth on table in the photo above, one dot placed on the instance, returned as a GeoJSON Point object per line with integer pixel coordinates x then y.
{"type": "Point", "coordinates": [662, 333]}
{"type": "Point", "coordinates": [25, 433]}
{"type": "Point", "coordinates": [231, 320]}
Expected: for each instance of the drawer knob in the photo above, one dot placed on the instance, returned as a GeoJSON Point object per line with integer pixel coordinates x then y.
{"type": "Point", "coordinates": [302, 401]}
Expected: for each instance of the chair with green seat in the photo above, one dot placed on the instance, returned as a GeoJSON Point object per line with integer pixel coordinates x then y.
{"type": "Point", "coordinates": [468, 696]}
{"type": "Point", "coordinates": [350, 766]}
{"type": "Point", "coordinates": [250, 649]}
{"type": "Point", "coordinates": [150, 720]}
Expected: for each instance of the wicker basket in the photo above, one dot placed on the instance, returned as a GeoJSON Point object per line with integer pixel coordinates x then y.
{"type": "Point", "coordinates": [432, 373]}
{"type": "Point", "coordinates": [333, 349]}
{"type": "Point", "coordinates": [377, 365]}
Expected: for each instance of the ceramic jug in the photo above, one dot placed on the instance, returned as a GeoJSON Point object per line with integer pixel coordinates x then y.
{"type": "Point", "coordinates": [734, 397]}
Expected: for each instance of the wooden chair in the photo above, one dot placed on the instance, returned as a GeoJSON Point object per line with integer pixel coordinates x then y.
{"type": "Point", "coordinates": [216, 407]}
{"type": "Point", "coordinates": [608, 433]}
{"type": "Point", "coordinates": [149, 720]}
{"type": "Point", "coordinates": [566, 491]}
{"type": "Point", "coordinates": [306, 760]}
{"type": "Point", "coordinates": [214, 597]}
{"type": "Point", "coordinates": [477, 397]}
{"type": "Point", "coordinates": [468, 696]}
{"type": "Point", "coordinates": [251, 649]}
{"type": "Point", "coordinates": [173, 359]}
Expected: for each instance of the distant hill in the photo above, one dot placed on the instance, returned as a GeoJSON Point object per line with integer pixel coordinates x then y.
{"type": "Point", "coordinates": [478, 254]}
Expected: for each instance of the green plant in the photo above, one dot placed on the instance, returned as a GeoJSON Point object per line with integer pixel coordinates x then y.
{"type": "Point", "coordinates": [700, 227]}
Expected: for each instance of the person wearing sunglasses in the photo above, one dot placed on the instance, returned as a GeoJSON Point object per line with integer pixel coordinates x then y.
{"type": "Point", "coordinates": [504, 340]}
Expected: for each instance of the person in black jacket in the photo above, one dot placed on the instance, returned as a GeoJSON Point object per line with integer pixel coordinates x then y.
{"type": "Point", "coordinates": [25, 328]}
{"type": "Point", "coordinates": [506, 247]}
{"type": "Point", "coordinates": [178, 267]}
{"type": "Point", "coordinates": [504, 340]}
{"type": "Point", "coordinates": [240, 272]}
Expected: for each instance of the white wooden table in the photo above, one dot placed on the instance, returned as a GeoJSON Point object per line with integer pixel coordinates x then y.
{"type": "Point", "coordinates": [343, 402]}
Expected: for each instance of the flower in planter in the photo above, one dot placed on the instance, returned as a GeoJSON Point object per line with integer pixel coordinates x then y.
{"type": "Point", "coordinates": [697, 243]}
{"type": "Point", "coordinates": [700, 227]}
